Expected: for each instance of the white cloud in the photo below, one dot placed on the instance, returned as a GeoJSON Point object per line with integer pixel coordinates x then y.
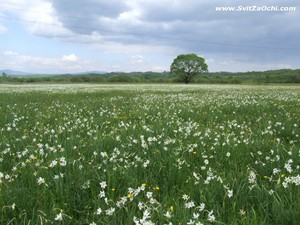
{"type": "Point", "coordinates": [69, 58]}
{"type": "Point", "coordinates": [137, 59]}
{"type": "Point", "coordinates": [41, 19]}
{"type": "Point", "coordinates": [44, 64]}
{"type": "Point", "coordinates": [38, 17]}
{"type": "Point", "coordinates": [3, 29]}
{"type": "Point", "coordinates": [10, 53]}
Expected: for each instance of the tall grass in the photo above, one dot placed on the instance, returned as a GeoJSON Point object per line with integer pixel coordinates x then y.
{"type": "Point", "coordinates": [199, 156]}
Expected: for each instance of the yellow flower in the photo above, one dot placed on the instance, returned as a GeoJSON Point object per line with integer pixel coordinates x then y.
{"type": "Point", "coordinates": [129, 196]}
{"type": "Point", "coordinates": [144, 184]}
{"type": "Point", "coordinates": [282, 175]}
{"type": "Point", "coordinates": [113, 189]}
{"type": "Point", "coordinates": [171, 209]}
{"type": "Point", "coordinates": [156, 188]}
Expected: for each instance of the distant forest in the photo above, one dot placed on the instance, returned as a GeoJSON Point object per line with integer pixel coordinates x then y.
{"type": "Point", "coordinates": [271, 76]}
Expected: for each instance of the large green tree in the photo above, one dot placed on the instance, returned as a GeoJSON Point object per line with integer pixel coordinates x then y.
{"type": "Point", "coordinates": [186, 67]}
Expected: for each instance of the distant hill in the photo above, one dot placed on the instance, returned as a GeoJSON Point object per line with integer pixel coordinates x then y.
{"type": "Point", "coordinates": [20, 73]}
{"type": "Point", "coordinates": [14, 72]}
{"type": "Point", "coordinates": [89, 73]}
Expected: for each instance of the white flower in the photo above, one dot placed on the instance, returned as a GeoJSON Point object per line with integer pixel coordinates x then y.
{"type": "Point", "coordinates": [99, 211]}
{"type": "Point", "coordinates": [141, 205]}
{"type": "Point", "coordinates": [252, 177]}
{"type": "Point", "coordinates": [149, 194]}
{"type": "Point", "coordinates": [201, 207]}
{"type": "Point", "coordinates": [168, 214]}
{"type": "Point", "coordinates": [199, 223]}
{"type": "Point", "coordinates": [288, 167]}
{"type": "Point", "coordinates": [101, 194]}
{"type": "Point", "coordinates": [110, 211]}
{"type": "Point", "coordinates": [211, 217]}
{"type": "Point", "coordinates": [103, 184]}
{"type": "Point", "coordinates": [40, 181]}
{"type": "Point", "coordinates": [53, 163]}
{"type": "Point", "coordinates": [189, 205]}
{"type": "Point", "coordinates": [58, 217]}
{"type": "Point", "coordinates": [93, 223]}
{"type": "Point", "coordinates": [196, 215]}
{"type": "Point", "coordinates": [185, 197]}
{"type": "Point", "coordinates": [275, 171]}
{"type": "Point", "coordinates": [191, 222]}
{"type": "Point", "coordinates": [230, 193]}
{"type": "Point", "coordinates": [62, 161]}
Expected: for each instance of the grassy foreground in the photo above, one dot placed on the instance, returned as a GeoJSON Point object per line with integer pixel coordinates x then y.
{"type": "Point", "coordinates": [149, 154]}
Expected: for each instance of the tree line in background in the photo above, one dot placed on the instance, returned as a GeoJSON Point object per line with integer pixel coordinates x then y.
{"type": "Point", "coordinates": [272, 76]}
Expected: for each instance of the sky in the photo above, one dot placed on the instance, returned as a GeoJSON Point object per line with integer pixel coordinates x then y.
{"type": "Point", "coordinates": [68, 36]}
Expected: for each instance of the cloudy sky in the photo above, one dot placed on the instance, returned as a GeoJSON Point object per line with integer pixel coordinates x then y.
{"type": "Point", "coordinates": [61, 36]}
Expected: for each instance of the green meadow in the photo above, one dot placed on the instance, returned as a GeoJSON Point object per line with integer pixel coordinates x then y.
{"type": "Point", "coordinates": [149, 154]}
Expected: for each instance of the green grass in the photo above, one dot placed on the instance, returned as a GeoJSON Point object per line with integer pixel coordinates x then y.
{"type": "Point", "coordinates": [198, 154]}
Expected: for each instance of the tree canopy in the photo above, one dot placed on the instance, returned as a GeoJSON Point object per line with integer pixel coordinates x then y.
{"type": "Point", "coordinates": [186, 67]}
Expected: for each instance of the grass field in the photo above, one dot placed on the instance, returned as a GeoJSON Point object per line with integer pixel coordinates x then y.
{"type": "Point", "coordinates": [149, 154]}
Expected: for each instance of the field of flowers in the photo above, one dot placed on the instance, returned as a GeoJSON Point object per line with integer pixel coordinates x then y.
{"type": "Point", "coordinates": [149, 154]}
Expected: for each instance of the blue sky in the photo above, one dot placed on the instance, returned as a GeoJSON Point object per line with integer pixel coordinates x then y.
{"type": "Point", "coordinates": [65, 36]}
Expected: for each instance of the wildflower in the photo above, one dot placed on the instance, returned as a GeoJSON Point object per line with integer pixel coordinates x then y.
{"type": "Point", "coordinates": [99, 211]}
{"type": "Point", "coordinates": [141, 205]}
{"type": "Point", "coordinates": [40, 181]}
{"type": "Point", "coordinates": [149, 194]}
{"type": "Point", "coordinates": [93, 223]}
{"type": "Point", "coordinates": [288, 167]}
{"type": "Point", "coordinates": [62, 161]}
{"type": "Point", "coordinates": [103, 184]}
{"type": "Point", "coordinates": [185, 197]}
{"type": "Point", "coordinates": [171, 209]}
{"type": "Point", "coordinates": [110, 211]}
{"type": "Point", "coordinates": [242, 212]}
{"type": "Point", "coordinates": [199, 223]}
{"type": "Point", "coordinates": [252, 177]}
{"type": "Point", "coordinates": [210, 216]}
{"type": "Point", "coordinates": [130, 196]}
{"type": "Point", "coordinates": [191, 222]}
{"type": "Point", "coordinates": [189, 205]}
{"type": "Point", "coordinates": [275, 171]}
{"type": "Point", "coordinates": [168, 214]}
{"type": "Point", "coordinates": [157, 188]}
{"type": "Point", "coordinates": [196, 215]}
{"type": "Point", "coordinates": [101, 194]}
{"type": "Point", "coordinates": [53, 163]}
{"type": "Point", "coordinates": [201, 207]}
{"type": "Point", "coordinates": [58, 217]}
{"type": "Point", "coordinates": [230, 193]}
